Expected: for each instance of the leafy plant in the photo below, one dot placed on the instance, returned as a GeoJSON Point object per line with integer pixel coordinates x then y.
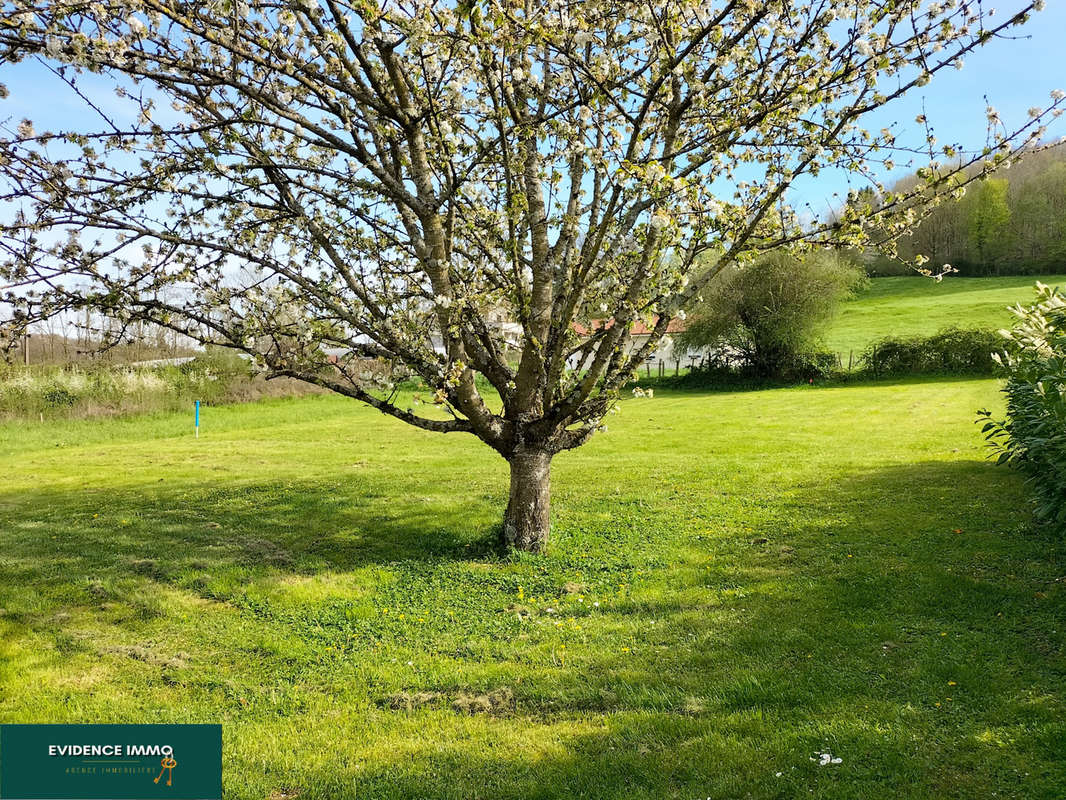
{"type": "Point", "coordinates": [767, 318]}
{"type": "Point", "coordinates": [1033, 437]}
{"type": "Point", "coordinates": [59, 396]}
{"type": "Point", "coordinates": [952, 351]}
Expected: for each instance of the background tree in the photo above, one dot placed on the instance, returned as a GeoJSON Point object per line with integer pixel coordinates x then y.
{"type": "Point", "coordinates": [940, 237]}
{"type": "Point", "coordinates": [988, 216]}
{"type": "Point", "coordinates": [388, 178]}
{"type": "Point", "coordinates": [772, 312]}
{"type": "Point", "coordinates": [1013, 225]}
{"type": "Point", "coordinates": [1038, 216]}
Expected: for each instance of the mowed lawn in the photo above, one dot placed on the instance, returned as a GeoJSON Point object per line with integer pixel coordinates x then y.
{"type": "Point", "coordinates": [736, 583]}
{"type": "Point", "coordinates": [920, 306]}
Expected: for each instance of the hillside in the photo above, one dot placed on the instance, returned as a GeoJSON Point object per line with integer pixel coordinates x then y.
{"type": "Point", "coordinates": [907, 306]}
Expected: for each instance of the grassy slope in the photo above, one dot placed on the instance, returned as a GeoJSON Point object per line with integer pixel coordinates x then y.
{"type": "Point", "coordinates": [777, 573]}
{"type": "Point", "coordinates": [905, 306]}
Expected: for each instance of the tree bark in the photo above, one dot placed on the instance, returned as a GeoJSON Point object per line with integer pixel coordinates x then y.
{"type": "Point", "coordinates": [525, 523]}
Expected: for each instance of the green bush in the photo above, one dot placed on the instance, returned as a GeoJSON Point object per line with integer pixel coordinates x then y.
{"type": "Point", "coordinates": [218, 365]}
{"type": "Point", "coordinates": [1033, 437]}
{"type": "Point", "coordinates": [951, 351]}
{"type": "Point", "coordinates": [57, 396]}
{"type": "Point", "coordinates": [765, 319]}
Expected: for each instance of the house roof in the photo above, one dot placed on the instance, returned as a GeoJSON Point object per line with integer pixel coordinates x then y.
{"type": "Point", "coordinates": [638, 328]}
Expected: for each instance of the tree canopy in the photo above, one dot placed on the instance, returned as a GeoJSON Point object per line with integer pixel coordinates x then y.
{"type": "Point", "coordinates": [390, 180]}
{"type": "Point", "coordinates": [1014, 223]}
{"type": "Point", "coordinates": [770, 314]}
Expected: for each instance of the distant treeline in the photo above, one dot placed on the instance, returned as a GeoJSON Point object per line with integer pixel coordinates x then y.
{"type": "Point", "coordinates": [1012, 223]}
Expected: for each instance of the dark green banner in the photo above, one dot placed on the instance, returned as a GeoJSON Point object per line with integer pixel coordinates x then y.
{"type": "Point", "coordinates": [110, 762]}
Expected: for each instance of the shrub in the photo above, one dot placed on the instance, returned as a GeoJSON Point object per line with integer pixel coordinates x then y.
{"type": "Point", "coordinates": [816, 365]}
{"type": "Point", "coordinates": [212, 374]}
{"type": "Point", "coordinates": [952, 351]}
{"type": "Point", "coordinates": [766, 318]}
{"type": "Point", "coordinates": [58, 396]}
{"type": "Point", "coordinates": [1033, 437]}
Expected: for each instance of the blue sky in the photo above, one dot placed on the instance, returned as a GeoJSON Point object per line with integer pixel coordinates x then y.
{"type": "Point", "coordinates": [1014, 74]}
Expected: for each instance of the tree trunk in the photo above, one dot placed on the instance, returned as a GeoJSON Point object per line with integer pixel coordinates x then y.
{"type": "Point", "coordinates": [525, 523]}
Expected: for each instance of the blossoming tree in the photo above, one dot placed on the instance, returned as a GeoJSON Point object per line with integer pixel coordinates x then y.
{"type": "Point", "coordinates": [387, 180]}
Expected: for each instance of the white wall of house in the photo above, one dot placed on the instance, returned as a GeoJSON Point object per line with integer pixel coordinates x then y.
{"type": "Point", "coordinates": [666, 353]}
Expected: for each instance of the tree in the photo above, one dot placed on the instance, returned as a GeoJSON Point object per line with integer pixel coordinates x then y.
{"type": "Point", "coordinates": [988, 216]}
{"type": "Point", "coordinates": [1013, 227]}
{"type": "Point", "coordinates": [773, 310]}
{"type": "Point", "coordinates": [1038, 216]}
{"type": "Point", "coordinates": [381, 178]}
{"type": "Point", "coordinates": [941, 236]}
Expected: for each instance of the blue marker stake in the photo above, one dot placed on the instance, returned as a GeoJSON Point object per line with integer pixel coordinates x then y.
{"type": "Point", "coordinates": [197, 419]}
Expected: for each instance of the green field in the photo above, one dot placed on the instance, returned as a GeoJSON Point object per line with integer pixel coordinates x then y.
{"type": "Point", "coordinates": [909, 306]}
{"type": "Point", "coordinates": [736, 582]}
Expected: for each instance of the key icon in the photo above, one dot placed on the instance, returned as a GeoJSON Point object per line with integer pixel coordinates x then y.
{"type": "Point", "coordinates": [168, 765]}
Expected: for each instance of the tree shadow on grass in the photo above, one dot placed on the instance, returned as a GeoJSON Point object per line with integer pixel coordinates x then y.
{"type": "Point", "coordinates": [192, 536]}
{"type": "Point", "coordinates": [906, 618]}
{"type": "Point", "coordinates": [910, 623]}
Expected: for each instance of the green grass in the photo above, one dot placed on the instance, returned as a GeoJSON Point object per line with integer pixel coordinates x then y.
{"type": "Point", "coordinates": [919, 306]}
{"type": "Point", "coordinates": [736, 582]}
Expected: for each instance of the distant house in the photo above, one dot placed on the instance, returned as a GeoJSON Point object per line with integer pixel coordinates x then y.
{"type": "Point", "coordinates": [499, 322]}
{"type": "Point", "coordinates": [664, 353]}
